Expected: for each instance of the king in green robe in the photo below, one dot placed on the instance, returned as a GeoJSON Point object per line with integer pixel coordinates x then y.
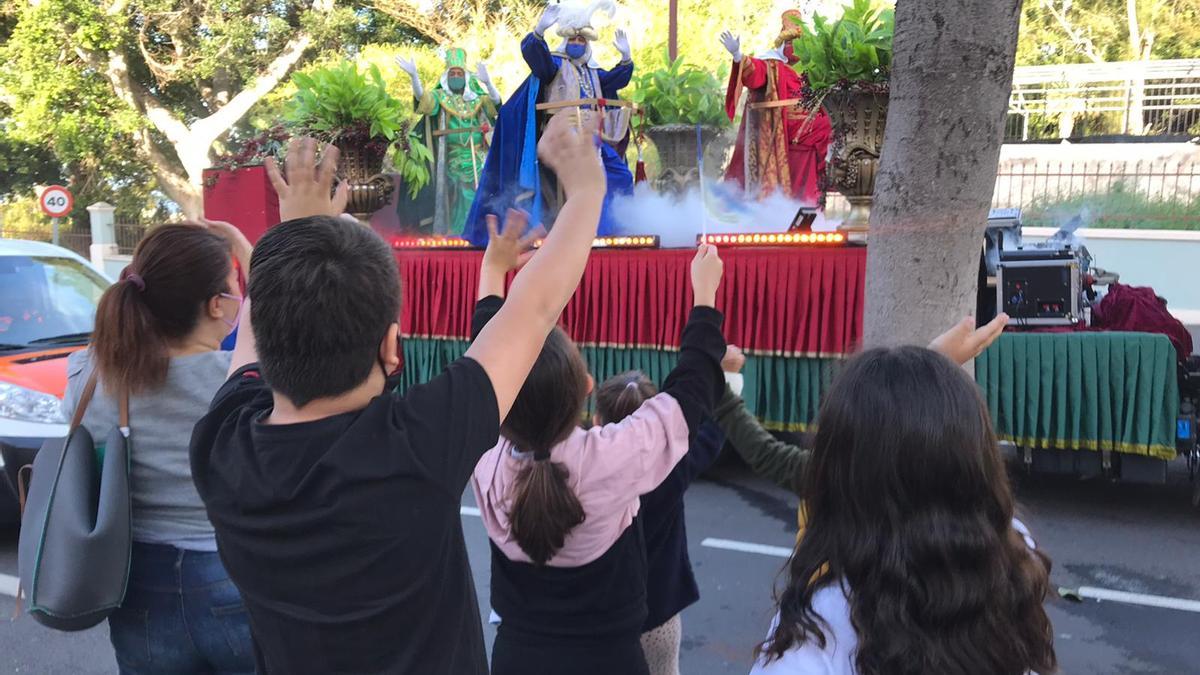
{"type": "Point", "coordinates": [459, 113]}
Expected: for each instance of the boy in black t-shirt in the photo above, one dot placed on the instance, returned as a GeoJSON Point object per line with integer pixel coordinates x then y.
{"type": "Point", "coordinates": [336, 502]}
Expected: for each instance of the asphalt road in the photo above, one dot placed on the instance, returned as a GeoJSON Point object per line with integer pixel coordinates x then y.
{"type": "Point", "coordinates": [1143, 540]}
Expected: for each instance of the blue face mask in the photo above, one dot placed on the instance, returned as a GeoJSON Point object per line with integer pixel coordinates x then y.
{"type": "Point", "coordinates": [576, 51]}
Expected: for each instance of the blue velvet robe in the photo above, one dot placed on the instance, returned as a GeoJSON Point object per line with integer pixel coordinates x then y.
{"type": "Point", "coordinates": [511, 169]}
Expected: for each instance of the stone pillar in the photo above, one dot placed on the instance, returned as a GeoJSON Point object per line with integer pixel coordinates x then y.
{"type": "Point", "coordinates": [104, 233]}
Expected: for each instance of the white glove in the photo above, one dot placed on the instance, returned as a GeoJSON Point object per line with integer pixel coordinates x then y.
{"type": "Point", "coordinates": [733, 44]}
{"type": "Point", "coordinates": [410, 67]}
{"type": "Point", "coordinates": [549, 17]}
{"type": "Point", "coordinates": [407, 65]}
{"type": "Point", "coordinates": [621, 42]}
{"type": "Point", "coordinates": [481, 74]}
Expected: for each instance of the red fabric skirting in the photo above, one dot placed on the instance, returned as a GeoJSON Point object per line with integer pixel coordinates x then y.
{"type": "Point", "coordinates": [783, 301]}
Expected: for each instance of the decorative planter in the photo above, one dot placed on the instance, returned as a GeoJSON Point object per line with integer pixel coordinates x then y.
{"type": "Point", "coordinates": [858, 119]}
{"type": "Point", "coordinates": [360, 164]}
{"type": "Point", "coordinates": [676, 145]}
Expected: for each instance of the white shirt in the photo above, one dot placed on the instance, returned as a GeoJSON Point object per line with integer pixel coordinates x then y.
{"type": "Point", "coordinates": [837, 658]}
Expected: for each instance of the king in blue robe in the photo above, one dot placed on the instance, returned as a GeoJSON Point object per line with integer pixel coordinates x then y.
{"type": "Point", "coordinates": [512, 176]}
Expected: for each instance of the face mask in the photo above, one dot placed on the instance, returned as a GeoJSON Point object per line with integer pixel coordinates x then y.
{"type": "Point", "coordinates": [241, 301]}
{"type": "Point", "coordinates": [457, 84]}
{"type": "Point", "coordinates": [576, 51]}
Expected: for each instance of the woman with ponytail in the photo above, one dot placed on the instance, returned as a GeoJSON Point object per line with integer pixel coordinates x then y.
{"type": "Point", "coordinates": [561, 504]}
{"type": "Point", "coordinates": [157, 340]}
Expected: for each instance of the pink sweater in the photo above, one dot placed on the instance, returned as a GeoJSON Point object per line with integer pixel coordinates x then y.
{"type": "Point", "coordinates": [610, 467]}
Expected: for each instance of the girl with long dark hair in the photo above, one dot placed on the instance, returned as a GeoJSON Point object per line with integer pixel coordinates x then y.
{"type": "Point", "coordinates": [911, 561]}
{"type": "Point", "coordinates": [157, 340]}
{"type": "Point", "coordinates": [561, 504]}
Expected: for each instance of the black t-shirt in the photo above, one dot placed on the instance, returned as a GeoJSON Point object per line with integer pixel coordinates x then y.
{"type": "Point", "coordinates": [344, 534]}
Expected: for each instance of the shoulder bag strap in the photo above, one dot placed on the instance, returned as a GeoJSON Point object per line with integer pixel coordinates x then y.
{"type": "Point", "coordinates": [123, 413]}
{"type": "Point", "coordinates": [84, 399]}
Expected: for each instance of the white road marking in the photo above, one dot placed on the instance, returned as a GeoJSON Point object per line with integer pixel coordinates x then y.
{"type": "Point", "coordinates": [8, 585]}
{"type": "Point", "coordinates": [1140, 599]}
{"type": "Point", "coordinates": [745, 547]}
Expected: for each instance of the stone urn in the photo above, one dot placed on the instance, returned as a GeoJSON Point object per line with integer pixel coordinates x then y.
{"type": "Point", "coordinates": [858, 119]}
{"type": "Point", "coordinates": [676, 145]}
{"type": "Point", "coordinates": [360, 165]}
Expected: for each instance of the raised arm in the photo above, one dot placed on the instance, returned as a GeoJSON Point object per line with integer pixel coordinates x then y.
{"type": "Point", "coordinates": [508, 346]}
{"type": "Point", "coordinates": [538, 57]}
{"type": "Point", "coordinates": [613, 81]}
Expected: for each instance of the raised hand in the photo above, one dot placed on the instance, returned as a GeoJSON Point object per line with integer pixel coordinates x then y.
{"type": "Point", "coordinates": [707, 270]}
{"type": "Point", "coordinates": [239, 245]}
{"type": "Point", "coordinates": [964, 342]}
{"type": "Point", "coordinates": [549, 18]}
{"type": "Point", "coordinates": [621, 43]}
{"type": "Point", "coordinates": [407, 65]}
{"type": "Point", "coordinates": [511, 247]}
{"type": "Point", "coordinates": [308, 188]}
{"type": "Point", "coordinates": [481, 73]}
{"type": "Point", "coordinates": [733, 44]}
{"type": "Point", "coordinates": [571, 153]}
{"type": "Point", "coordinates": [734, 359]}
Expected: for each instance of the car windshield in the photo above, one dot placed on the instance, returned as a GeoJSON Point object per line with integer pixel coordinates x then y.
{"type": "Point", "coordinates": [47, 300]}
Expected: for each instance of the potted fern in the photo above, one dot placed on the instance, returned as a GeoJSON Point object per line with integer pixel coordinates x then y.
{"type": "Point", "coordinates": [675, 100]}
{"type": "Point", "coordinates": [847, 63]}
{"type": "Point", "coordinates": [354, 111]}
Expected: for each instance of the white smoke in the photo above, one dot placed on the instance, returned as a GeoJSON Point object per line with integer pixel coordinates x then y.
{"type": "Point", "coordinates": [678, 220]}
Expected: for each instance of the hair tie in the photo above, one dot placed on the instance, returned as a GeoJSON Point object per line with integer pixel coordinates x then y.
{"type": "Point", "coordinates": [133, 278]}
{"type": "Point", "coordinates": [632, 384]}
{"type": "Point", "coordinates": [541, 455]}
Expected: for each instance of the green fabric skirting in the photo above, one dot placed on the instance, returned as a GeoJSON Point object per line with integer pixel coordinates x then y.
{"type": "Point", "coordinates": [1083, 391]}
{"type": "Point", "coordinates": [785, 393]}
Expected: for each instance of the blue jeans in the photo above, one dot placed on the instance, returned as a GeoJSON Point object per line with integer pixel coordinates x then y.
{"type": "Point", "coordinates": [181, 614]}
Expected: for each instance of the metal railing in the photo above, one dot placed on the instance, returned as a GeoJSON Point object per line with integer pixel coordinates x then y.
{"type": "Point", "coordinates": [1141, 98]}
{"type": "Point", "coordinates": [1115, 194]}
{"type": "Point", "coordinates": [1141, 194]}
{"type": "Point", "coordinates": [128, 236]}
{"type": "Point", "coordinates": [78, 242]}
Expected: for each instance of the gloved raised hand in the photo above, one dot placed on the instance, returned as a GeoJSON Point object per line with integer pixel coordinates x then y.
{"type": "Point", "coordinates": [410, 67]}
{"type": "Point", "coordinates": [407, 65]}
{"type": "Point", "coordinates": [481, 73]}
{"type": "Point", "coordinates": [733, 44]}
{"type": "Point", "coordinates": [621, 43]}
{"type": "Point", "coordinates": [549, 18]}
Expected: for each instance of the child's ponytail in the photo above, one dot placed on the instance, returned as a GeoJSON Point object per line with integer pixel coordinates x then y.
{"type": "Point", "coordinates": [621, 395]}
{"type": "Point", "coordinates": [547, 410]}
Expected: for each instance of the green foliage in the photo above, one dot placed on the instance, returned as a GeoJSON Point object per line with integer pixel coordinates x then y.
{"type": "Point", "coordinates": [853, 50]}
{"type": "Point", "coordinates": [331, 101]}
{"type": "Point", "coordinates": [1087, 31]}
{"type": "Point", "coordinates": [1118, 208]}
{"type": "Point", "coordinates": [680, 94]}
{"type": "Point", "coordinates": [24, 165]}
{"type": "Point", "coordinates": [414, 164]}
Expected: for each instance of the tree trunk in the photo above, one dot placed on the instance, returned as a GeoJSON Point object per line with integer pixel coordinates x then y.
{"type": "Point", "coordinates": [951, 80]}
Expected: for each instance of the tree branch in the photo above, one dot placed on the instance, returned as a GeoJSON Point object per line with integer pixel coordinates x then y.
{"type": "Point", "coordinates": [1081, 41]}
{"type": "Point", "coordinates": [437, 27]}
{"type": "Point", "coordinates": [116, 70]}
{"type": "Point", "coordinates": [209, 128]}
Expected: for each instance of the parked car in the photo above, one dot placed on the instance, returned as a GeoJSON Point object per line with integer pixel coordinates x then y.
{"type": "Point", "coordinates": [48, 298]}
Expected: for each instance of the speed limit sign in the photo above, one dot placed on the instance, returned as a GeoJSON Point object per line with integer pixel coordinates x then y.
{"type": "Point", "coordinates": [56, 201]}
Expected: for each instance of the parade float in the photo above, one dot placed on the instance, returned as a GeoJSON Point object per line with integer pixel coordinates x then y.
{"type": "Point", "coordinates": [793, 297]}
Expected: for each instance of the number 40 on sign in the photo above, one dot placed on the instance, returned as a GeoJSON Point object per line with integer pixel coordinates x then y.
{"type": "Point", "coordinates": [56, 201]}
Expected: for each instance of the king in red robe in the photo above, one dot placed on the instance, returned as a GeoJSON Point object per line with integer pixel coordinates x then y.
{"type": "Point", "coordinates": [780, 146]}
